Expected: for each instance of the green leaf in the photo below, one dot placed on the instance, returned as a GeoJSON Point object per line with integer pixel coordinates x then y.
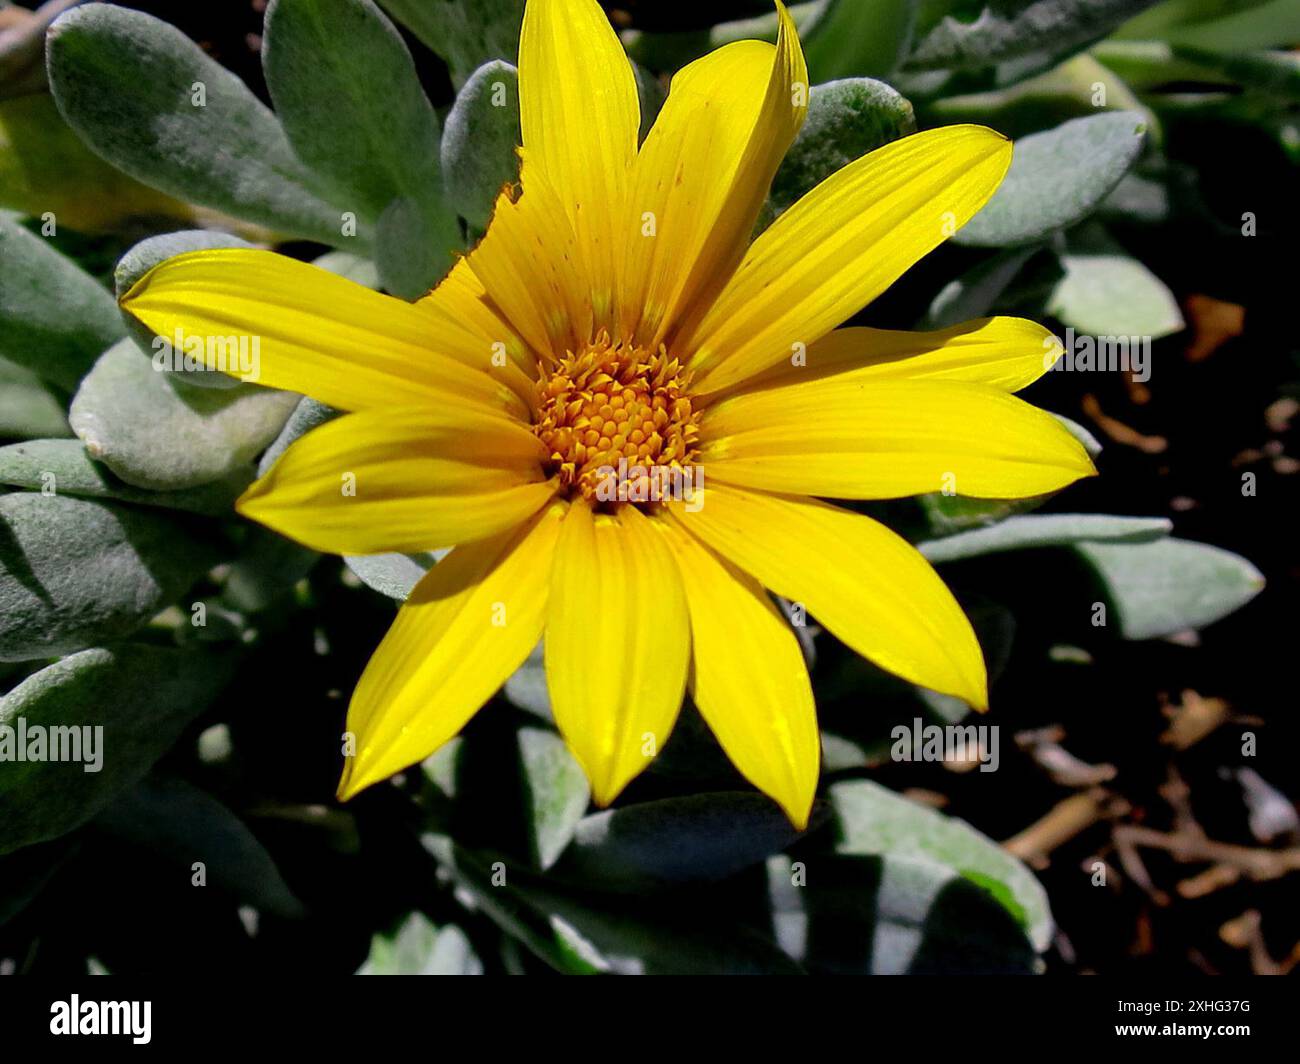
{"type": "Point", "coordinates": [413, 247]}
{"type": "Point", "coordinates": [55, 318]}
{"type": "Point", "coordinates": [63, 466]}
{"type": "Point", "coordinates": [856, 37]}
{"type": "Point", "coordinates": [1057, 178]}
{"type": "Point", "coordinates": [394, 575]}
{"type": "Point", "coordinates": [306, 416]}
{"type": "Point", "coordinates": [975, 293]}
{"type": "Point", "coordinates": [29, 408]}
{"type": "Point", "coordinates": [479, 141]}
{"type": "Point", "coordinates": [1044, 530]}
{"type": "Point", "coordinates": [873, 820]}
{"type": "Point", "coordinates": [1079, 87]}
{"type": "Point", "coordinates": [156, 432]}
{"type": "Point", "coordinates": [1157, 589]}
{"type": "Point", "coordinates": [268, 567]}
{"type": "Point", "coordinates": [183, 824]}
{"type": "Point", "coordinates": [141, 697]}
{"type": "Point", "coordinates": [1277, 73]}
{"type": "Point", "coordinates": [478, 875]}
{"type": "Point", "coordinates": [526, 687]}
{"type": "Point", "coordinates": [375, 141]}
{"type": "Point", "coordinates": [891, 915]}
{"type": "Point", "coordinates": [846, 119]}
{"type": "Point", "coordinates": [146, 98]}
{"type": "Point", "coordinates": [1106, 292]}
{"type": "Point", "coordinates": [1013, 29]}
{"type": "Point", "coordinates": [142, 258]}
{"type": "Point", "coordinates": [371, 138]}
{"type": "Point", "coordinates": [1271, 25]}
{"type": "Point", "coordinates": [74, 572]}
{"type": "Point", "coordinates": [653, 845]}
{"type": "Point", "coordinates": [417, 947]}
{"type": "Point", "coordinates": [644, 938]}
{"type": "Point", "coordinates": [1170, 14]}
{"type": "Point", "coordinates": [556, 791]}
{"type": "Point", "coordinates": [465, 33]}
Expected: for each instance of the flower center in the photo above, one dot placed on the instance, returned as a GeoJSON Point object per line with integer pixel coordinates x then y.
{"type": "Point", "coordinates": [614, 410]}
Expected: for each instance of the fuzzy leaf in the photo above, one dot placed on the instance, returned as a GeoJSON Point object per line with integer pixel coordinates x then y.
{"type": "Point", "coordinates": [55, 318]}
{"type": "Point", "coordinates": [183, 824]}
{"type": "Point", "coordinates": [1171, 585]}
{"type": "Point", "coordinates": [1106, 292]}
{"type": "Point", "coordinates": [74, 572]}
{"type": "Point", "coordinates": [393, 575]}
{"type": "Point", "coordinates": [466, 33]}
{"type": "Point", "coordinates": [305, 417]}
{"type": "Point", "coordinates": [891, 915]}
{"type": "Point", "coordinates": [371, 138]}
{"type": "Point", "coordinates": [413, 247]}
{"type": "Point", "coordinates": [1057, 178]}
{"type": "Point", "coordinates": [1030, 531]}
{"type": "Point", "coordinates": [130, 85]}
{"type": "Point", "coordinates": [855, 37]}
{"type": "Point", "coordinates": [846, 119]}
{"type": "Point", "coordinates": [697, 838]}
{"type": "Point", "coordinates": [556, 791]}
{"type": "Point", "coordinates": [157, 433]}
{"type": "Point", "coordinates": [63, 466]}
{"type": "Point", "coordinates": [29, 408]}
{"type": "Point", "coordinates": [141, 696]}
{"type": "Point", "coordinates": [1012, 29]}
{"type": "Point", "coordinates": [479, 142]}
{"type": "Point", "coordinates": [874, 820]}
{"type": "Point", "coordinates": [417, 947]}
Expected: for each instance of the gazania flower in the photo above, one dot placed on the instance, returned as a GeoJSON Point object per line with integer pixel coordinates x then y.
{"type": "Point", "coordinates": [617, 310]}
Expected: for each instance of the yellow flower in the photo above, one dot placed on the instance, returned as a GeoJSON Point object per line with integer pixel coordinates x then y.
{"type": "Point", "coordinates": [616, 309]}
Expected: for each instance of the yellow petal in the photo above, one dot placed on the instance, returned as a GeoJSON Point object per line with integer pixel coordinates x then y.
{"type": "Point", "coordinates": [579, 115]}
{"type": "Point", "coordinates": [617, 644]}
{"type": "Point", "coordinates": [316, 333]}
{"type": "Point", "coordinates": [1006, 353]}
{"type": "Point", "coordinates": [470, 328]}
{"type": "Point", "coordinates": [702, 174]}
{"type": "Point", "coordinates": [859, 438]}
{"type": "Point", "coordinates": [843, 244]}
{"type": "Point", "coordinates": [402, 479]}
{"type": "Point", "coordinates": [528, 264]}
{"type": "Point", "coordinates": [465, 628]}
{"type": "Point", "coordinates": [868, 586]}
{"type": "Point", "coordinates": [748, 677]}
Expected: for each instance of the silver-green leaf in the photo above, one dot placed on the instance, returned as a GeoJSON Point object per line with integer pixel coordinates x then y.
{"type": "Point", "coordinates": [1057, 178]}
{"type": "Point", "coordinates": [140, 698]}
{"type": "Point", "coordinates": [55, 318]}
{"type": "Point", "coordinates": [153, 431]}
{"type": "Point", "coordinates": [75, 572]}
{"type": "Point", "coordinates": [1171, 585]}
{"type": "Point", "coordinates": [146, 98]}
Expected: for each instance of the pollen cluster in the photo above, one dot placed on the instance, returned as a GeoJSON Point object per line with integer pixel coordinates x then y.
{"type": "Point", "coordinates": [612, 403]}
